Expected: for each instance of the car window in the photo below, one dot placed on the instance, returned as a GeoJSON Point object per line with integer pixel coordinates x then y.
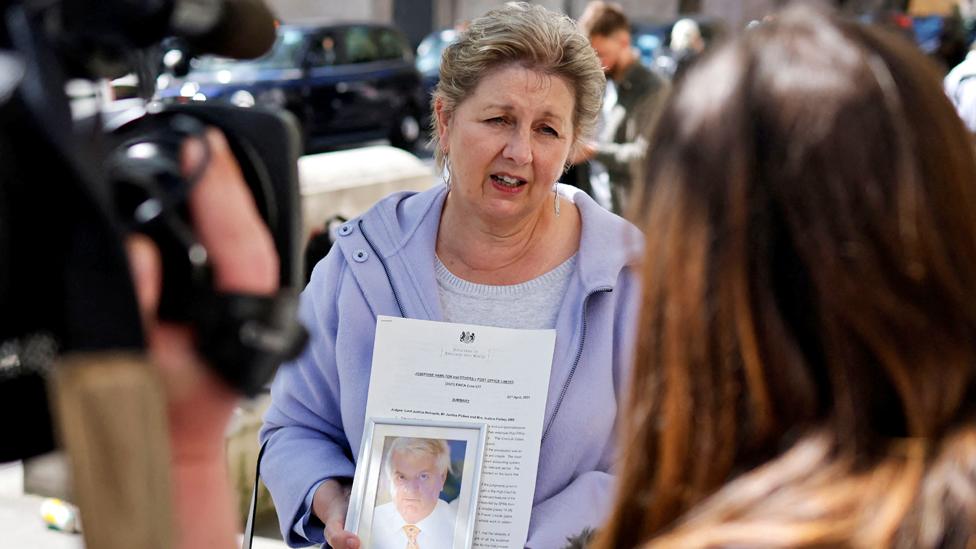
{"type": "Point", "coordinates": [431, 48]}
{"type": "Point", "coordinates": [323, 51]}
{"type": "Point", "coordinates": [359, 46]}
{"type": "Point", "coordinates": [648, 45]}
{"type": "Point", "coordinates": [390, 44]}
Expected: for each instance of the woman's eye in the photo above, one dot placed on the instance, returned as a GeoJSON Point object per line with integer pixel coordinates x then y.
{"type": "Point", "coordinates": [549, 130]}
{"type": "Point", "coordinates": [424, 476]}
{"type": "Point", "coordinates": [498, 120]}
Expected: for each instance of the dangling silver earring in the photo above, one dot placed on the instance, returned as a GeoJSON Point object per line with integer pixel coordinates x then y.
{"type": "Point", "coordinates": [447, 170]}
{"type": "Point", "coordinates": [555, 202]}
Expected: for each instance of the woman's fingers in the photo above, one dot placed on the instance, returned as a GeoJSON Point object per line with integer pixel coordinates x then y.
{"type": "Point", "coordinates": [330, 503]}
{"type": "Point", "coordinates": [338, 537]}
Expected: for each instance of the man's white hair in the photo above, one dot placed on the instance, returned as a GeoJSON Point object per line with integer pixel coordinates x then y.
{"type": "Point", "coordinates": [684, 34]}
{"type": "Point", "coordinates": [418, 446]}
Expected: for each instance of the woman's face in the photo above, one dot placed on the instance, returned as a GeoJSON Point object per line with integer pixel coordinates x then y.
{"type": "Point", "coordinates": [507, 142]}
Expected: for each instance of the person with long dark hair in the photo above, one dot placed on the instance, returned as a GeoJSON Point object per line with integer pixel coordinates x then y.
{"type": "Point", "coordinates": [804, 375]}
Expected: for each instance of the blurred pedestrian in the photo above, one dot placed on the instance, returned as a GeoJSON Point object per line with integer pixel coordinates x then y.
{"type": "Point", "coordinates": [806, 375]}
{"type": "Point", "coordinates": [687, 44]}
{"type": "Point", "coordinates": [633, 95]}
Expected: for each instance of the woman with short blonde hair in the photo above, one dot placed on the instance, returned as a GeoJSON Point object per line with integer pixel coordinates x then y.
{"type": "Point", "coordinates": [499, 244]}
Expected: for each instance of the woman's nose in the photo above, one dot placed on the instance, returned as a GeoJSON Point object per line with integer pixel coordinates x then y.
{"type": "Point", "coordinates": [519, 147]}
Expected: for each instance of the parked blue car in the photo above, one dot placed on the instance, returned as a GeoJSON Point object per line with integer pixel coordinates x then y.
{"type": "Point", "coordinates": [345, 83]}
{"type": "Point", "coordinates": [429, 55]}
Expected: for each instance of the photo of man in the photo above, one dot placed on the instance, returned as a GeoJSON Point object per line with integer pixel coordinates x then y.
{"type": "Point", "coordinates": [417, 516]}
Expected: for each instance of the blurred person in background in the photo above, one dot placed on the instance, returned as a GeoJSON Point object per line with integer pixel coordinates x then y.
{"type": "Point", "coordinates": [805, 371]}
{"type": "Point", "coordinates": [500, 244]}
{"type": "Point", "coordinates": [687, 44]}
{"type": "Point", "coordinates": [632, 95]}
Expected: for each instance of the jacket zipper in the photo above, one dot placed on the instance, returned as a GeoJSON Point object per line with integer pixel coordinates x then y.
{"type": "Point", "coordinates": [396, 295]}
{"type": "Point", "coordinates": [579, 353]}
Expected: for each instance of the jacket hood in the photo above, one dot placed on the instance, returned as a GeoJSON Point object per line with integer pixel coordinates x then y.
{"type": "Point", "coordinates": [393, 223]}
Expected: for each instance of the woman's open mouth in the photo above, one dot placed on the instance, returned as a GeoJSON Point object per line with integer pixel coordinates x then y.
{"type": "Point", "coordinates": [507, 183]}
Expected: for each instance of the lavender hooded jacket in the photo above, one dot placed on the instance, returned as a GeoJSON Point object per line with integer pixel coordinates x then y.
{"type": "Point", "coordinates": [383, 264]}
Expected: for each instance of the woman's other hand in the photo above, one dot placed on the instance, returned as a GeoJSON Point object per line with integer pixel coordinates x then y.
{"type": "Point", "coordinates": [330, 504]}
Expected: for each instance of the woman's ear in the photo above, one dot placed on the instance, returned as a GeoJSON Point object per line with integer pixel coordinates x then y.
{"type": "Point", "coordinates": [443, 121]}
{"type": "Point", "coordinates": [579, 152]}
{"type": "Point", "coordinates": [574, 151]}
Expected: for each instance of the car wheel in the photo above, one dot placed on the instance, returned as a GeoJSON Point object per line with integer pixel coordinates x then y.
{"type": "Point", "coordinates": [406, 132]}
{"type": "Point", "coordinates": [303, 134]}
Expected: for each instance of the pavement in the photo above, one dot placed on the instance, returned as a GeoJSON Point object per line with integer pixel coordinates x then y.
{"type": "Point", "coordinates": [21, 526]}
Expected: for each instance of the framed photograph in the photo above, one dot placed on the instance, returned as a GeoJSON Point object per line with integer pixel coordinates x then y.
{"type": "Point", "coordinates": [417, 481]}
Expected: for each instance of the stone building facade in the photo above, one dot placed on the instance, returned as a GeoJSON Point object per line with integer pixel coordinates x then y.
{"type": "Point", "coordinates": [418, 17]}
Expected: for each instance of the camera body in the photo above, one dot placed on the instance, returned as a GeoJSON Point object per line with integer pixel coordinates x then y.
{"type": "Point", "coordinates": [265, 142]}
{"type": "Point", "coordinates": [71, 192]}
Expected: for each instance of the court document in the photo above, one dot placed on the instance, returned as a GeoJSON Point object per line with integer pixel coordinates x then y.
{"type": "Point", "coordinates": [464, 373]}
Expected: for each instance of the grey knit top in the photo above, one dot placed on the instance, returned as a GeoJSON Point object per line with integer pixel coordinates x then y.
{"type": "Point", "coordinates": [530, 305]}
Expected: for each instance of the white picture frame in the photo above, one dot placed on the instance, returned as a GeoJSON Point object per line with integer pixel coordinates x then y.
{"type": "Point", "coordinates": [378, 515]}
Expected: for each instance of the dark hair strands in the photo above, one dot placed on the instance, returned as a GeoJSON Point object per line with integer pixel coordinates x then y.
{"type": "Point", "coordinates": [805, 374]}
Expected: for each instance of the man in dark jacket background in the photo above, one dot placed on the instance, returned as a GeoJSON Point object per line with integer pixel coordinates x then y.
{"type": "Point", "coordinates": [634, 94]}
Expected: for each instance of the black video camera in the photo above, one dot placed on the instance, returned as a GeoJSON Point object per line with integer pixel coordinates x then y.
{"type": "Point", "coordinates": [72, 188]}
